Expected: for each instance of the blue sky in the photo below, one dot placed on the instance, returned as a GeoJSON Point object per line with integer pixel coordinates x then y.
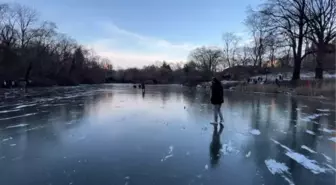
{"type": "Point", "coordinates": [140, 32]}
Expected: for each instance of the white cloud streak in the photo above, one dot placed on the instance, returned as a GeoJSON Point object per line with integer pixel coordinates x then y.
{"type": "Point", "coordinates": [128, 49]}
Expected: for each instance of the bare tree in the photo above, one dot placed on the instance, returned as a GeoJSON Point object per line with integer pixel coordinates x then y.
{"type": "Point", "coordinates": [26, 18]}
{"type": "Point", "coordinates": [207, 59]}
{"type": "Point", "coordinates": [288, 18]}
{"type": "Point", "coordinates": [321, 19]}
{"type": "Point", "coordinates": [258, 26]}
{"type": "Point", "coordinates": [230, 48]}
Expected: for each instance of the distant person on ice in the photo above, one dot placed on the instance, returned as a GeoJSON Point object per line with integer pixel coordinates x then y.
{"type": "Point", "coordinates": [143, 87]}
{"type": "Point", "coordinates": [217, 99]}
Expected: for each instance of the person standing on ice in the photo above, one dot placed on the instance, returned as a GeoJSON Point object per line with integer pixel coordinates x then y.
{"type": "Point", "coordinates": [217, 99]}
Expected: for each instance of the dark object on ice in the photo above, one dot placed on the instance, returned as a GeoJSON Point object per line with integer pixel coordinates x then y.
{"type": "Point", "coordinates": [280, 77]}
{"type": "Point", "coordinates": [139, 86]}
{"type": "Point", "coordinates": [260, 79]}
{"type": "Point", "coordinates": [255, 81]}
{"type": "Point", "coordinates": [277, 82]}
{"type": "Point", "coordinates": [134, 86]}
{"type": "Point", "coordinates": [217, 92]}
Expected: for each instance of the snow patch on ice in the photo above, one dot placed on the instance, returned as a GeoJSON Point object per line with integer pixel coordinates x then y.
{"type": "Point", "coordinates": [248, 154]}
{"type": "Point", "coordinates": [12, 145]}
{"type": "Point", "coordinates": [27, 105]}
{"type": "Point", "coordinates": [290, 182]}
{"type": "Point", "coordinates": [313, 116]}
{"type": "Point", "coordinates": [255, 132]}
{"type": "Point", "coordinates": [327, 130]}
{"type": "Point", "coordinates": [170, 154]}
{"type": "Point", "coordinates": [7, 139]}
{"type": "Point", "coordinates": [332, 139]}
{"type": "Point", "coordinates": [331, 167]}
{"type": "Point", "coordinates": [228, 148]}
{"type": "Point", "coordinates": [19, 125]}
{"type": "Point", "coordinates": [305, 162]}
{"type": "Point", "coordinates": [310, 132]}
{"type": "Point", "coordinates": [6, 111]}
{"type": "Point", "coordinates": [25, 115]}
{"type": "Point", "coordinates": [324, 110]}
{"type": "Point", "coordinates": [329, 160]}
{"type": "Point", "coordinates": [308, 149]}
{"type": "Point", "coordinates": [206, 167]}
{"type": "Point", "coordinates": [276, 167]}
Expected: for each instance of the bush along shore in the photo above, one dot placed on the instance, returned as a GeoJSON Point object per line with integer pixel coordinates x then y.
{"type": "Point", "coordinates": [312, 88]}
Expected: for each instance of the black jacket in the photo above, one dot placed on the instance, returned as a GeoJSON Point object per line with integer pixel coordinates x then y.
{"type": "Point", "coordinates": [217, 93]}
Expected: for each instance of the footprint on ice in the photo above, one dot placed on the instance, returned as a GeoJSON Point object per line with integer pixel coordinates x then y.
{"type": "Point", "coordinates": [255, 132]}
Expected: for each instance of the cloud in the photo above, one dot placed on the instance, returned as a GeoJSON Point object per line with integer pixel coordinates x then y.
{"type": "Point", "coordinates": [128, 49]}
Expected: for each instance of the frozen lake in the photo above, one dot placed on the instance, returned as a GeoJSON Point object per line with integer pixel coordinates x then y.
{"type": "Point", "coordinates": [115, 135]}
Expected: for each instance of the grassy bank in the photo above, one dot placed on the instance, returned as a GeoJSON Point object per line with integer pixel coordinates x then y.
{"type": "Point", "coordinates": [313, 88]}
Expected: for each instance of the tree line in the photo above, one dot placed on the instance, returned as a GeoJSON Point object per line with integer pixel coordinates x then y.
{"type": "Point", "coordinates": [34, 51]}
{"type": "Point", "coordinates": [283, 32]}
{"type": "Point", "coordinates": [286, 31]}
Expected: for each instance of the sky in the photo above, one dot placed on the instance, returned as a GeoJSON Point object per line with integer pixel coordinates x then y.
{"type": "Point", "coordinates": [134, 33]}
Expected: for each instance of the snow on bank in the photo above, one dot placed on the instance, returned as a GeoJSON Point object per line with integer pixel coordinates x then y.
{"type": "Point", "coordinates": [308, 149]}
{"type": "Point", "coordinates": [255, 132]}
